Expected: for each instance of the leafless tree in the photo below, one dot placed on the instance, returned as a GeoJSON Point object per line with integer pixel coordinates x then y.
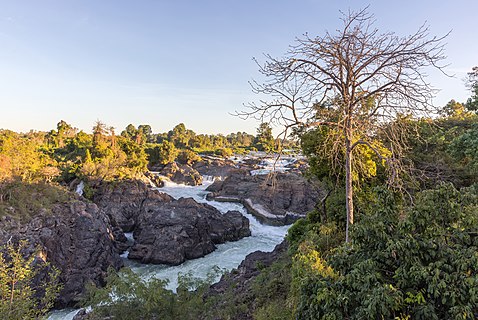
{"type": "Point", "coordinates": [352, 81]}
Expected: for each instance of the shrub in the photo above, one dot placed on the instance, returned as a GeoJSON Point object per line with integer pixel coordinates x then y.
{"type": "Point", "coordinates": [224, 152]}
{"type": "Point", "coordinates": [188, 157]}
{"type": "Point", "coordinates": [20, 297]}
{"type": "Point", "coordinates": [128, 296]}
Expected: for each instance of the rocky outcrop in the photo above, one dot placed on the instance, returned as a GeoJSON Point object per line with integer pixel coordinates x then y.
{"type": "Point", "coordinates": [217, 168]}
{"type": "Point", "coordinates": [231, 226]}
{"type": "Point", "coordinates": [155, 179]}
{"type": "Point", "coordinates": [74, 236]}
{"type": "Point", "coordinates": [123, 201]}
{"type": "Point", "coordinates": [183, 229]}
{"type": "Point", "coordinates": [249, 268]}
{"type": "Point", "coordinates": [301, 166]}
{"type": "Point", "coordinates": [281, 198]}
{"type": "Point", "coordinates": [182, 174]}
{"type": "Point", "coordinates": [236, 286]}
{"type": "Point", "coordinates": [166, 230]}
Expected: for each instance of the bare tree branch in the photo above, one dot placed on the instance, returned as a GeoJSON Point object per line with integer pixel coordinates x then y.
{"type": "Point", "coordinates": [354, 81]}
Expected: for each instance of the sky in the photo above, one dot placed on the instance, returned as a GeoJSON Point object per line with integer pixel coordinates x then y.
{"type": "Point", "coordinates": [165, 62]}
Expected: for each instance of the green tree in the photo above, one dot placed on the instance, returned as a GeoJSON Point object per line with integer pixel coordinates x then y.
{"type": "Point", "coordinates": [181, 136]}
{"type": "Point", "coordinates": [129, 132]}
{"type": "Point", "coordinates": [472, 102]}
{"type": "Point", "coordinates": [167, 152]}
{"type": "Point", "coordinates": [19, 297]}
{"type": "Point", "coordinates": [100, 142]}
{"type": "Point", "coordinates": [64, 131]}
{"type": "Point", "coordinates": [455, 110]}
{"type": "Point", "coordinates": [264, 140]}
{"type": "Point", "coordinates": [146, 131]}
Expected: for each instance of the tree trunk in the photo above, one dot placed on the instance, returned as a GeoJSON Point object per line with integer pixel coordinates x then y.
{"type": "Point", "coordinates": [349, 204]}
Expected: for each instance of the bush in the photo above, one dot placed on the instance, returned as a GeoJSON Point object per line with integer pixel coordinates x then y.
{"type": "Point", "coordinates": [224, 152]}
{"type": "Point", "coordinates": [128, 296]}
{"type": "Point", "coordinates": [20, 298]}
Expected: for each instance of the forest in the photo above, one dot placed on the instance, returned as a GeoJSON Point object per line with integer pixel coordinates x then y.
{"type": "Point", "coordinates": [394, 237]}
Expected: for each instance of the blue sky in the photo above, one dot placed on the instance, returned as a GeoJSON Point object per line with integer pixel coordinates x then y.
{"type": "Point", "coordinates": [166, 62]}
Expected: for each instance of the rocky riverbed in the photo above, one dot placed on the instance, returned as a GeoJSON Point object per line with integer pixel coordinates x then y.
{"type": "Point", "coordinates": [169, 225]}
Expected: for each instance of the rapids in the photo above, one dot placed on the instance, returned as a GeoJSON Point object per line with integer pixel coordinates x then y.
{"type": "Point", "coordinates": [226, 257]}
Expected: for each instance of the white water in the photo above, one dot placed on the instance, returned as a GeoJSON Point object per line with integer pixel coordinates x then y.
{"type": "Point", "coordinates": [269, 162]}
{"type": "Point", "coordinates": [79, 188]}
{"type": "Point", "coordinates": [227, 256]}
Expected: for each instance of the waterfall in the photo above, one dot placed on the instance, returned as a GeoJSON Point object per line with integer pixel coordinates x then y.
{"type": "Point", "coordinates": [79, 188]}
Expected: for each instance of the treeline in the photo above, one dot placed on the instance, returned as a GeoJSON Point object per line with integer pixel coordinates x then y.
{"type": "Point", "coordinates": [66, 153]}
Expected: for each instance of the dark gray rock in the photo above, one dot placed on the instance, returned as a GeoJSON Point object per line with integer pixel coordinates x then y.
{"type": "Point", "coordinates": [217, 168]}
{"type": "Point", "coordinates": [182, 174]}
{"type": "Point", "coordinates": [228, 227]}
{"type": "Point", "coordinates": [76, 237]}
{"type": "Point", "coordinates": [239, 279]}
{"type": "Point", "coordinates": [123, 201]}
{"type": "Point", "coordinates": [155, 179]}
{"type": "Point", "coordinates": [280, 198]}
{"type": "Point", "coordinates": [172, 232]}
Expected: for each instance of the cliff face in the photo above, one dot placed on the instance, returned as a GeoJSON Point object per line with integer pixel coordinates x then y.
{"type": "Point", "coordinates": [74, 236]}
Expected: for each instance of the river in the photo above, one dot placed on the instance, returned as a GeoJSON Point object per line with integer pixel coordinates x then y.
{"type": "Point", "coordinates": [227, 256]}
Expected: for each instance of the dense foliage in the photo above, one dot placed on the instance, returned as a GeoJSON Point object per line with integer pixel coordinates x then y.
{"type": "Point", "coordinates": [405, 262]}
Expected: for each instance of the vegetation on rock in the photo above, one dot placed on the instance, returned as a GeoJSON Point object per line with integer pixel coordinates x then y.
{"type": "Point", "coordinates": [20, 295]}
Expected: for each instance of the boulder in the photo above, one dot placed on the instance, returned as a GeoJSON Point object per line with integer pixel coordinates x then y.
{"type": "Point", "coordinates": [155, 179]}
{"type": "Point", "coordinates": [213, 167]}
{"type": "Point", "coordinates": [300, 166]}
{"type": "Point", "coordinates": [231, 226]}
{"type": "Point", "coordinates": [172, 232]}
{"type": "Point", "coordinates": [123, 201]}
{"type": "Point", "coordinates": [182, 174]}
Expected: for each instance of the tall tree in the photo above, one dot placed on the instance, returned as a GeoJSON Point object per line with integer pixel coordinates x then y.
{"type": "Point", "coordinates": [130, 132]}
{"type": "Point", "coordinates": [264, 139]}
{"type": "Point", "coordinates": [146, 130]}
{"type": "Point", "coordinates": [472, 82]}
{"type": "Point", "coordinates": [180, 136]}
{"type": "Point", "coordinates": [352, 82]}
